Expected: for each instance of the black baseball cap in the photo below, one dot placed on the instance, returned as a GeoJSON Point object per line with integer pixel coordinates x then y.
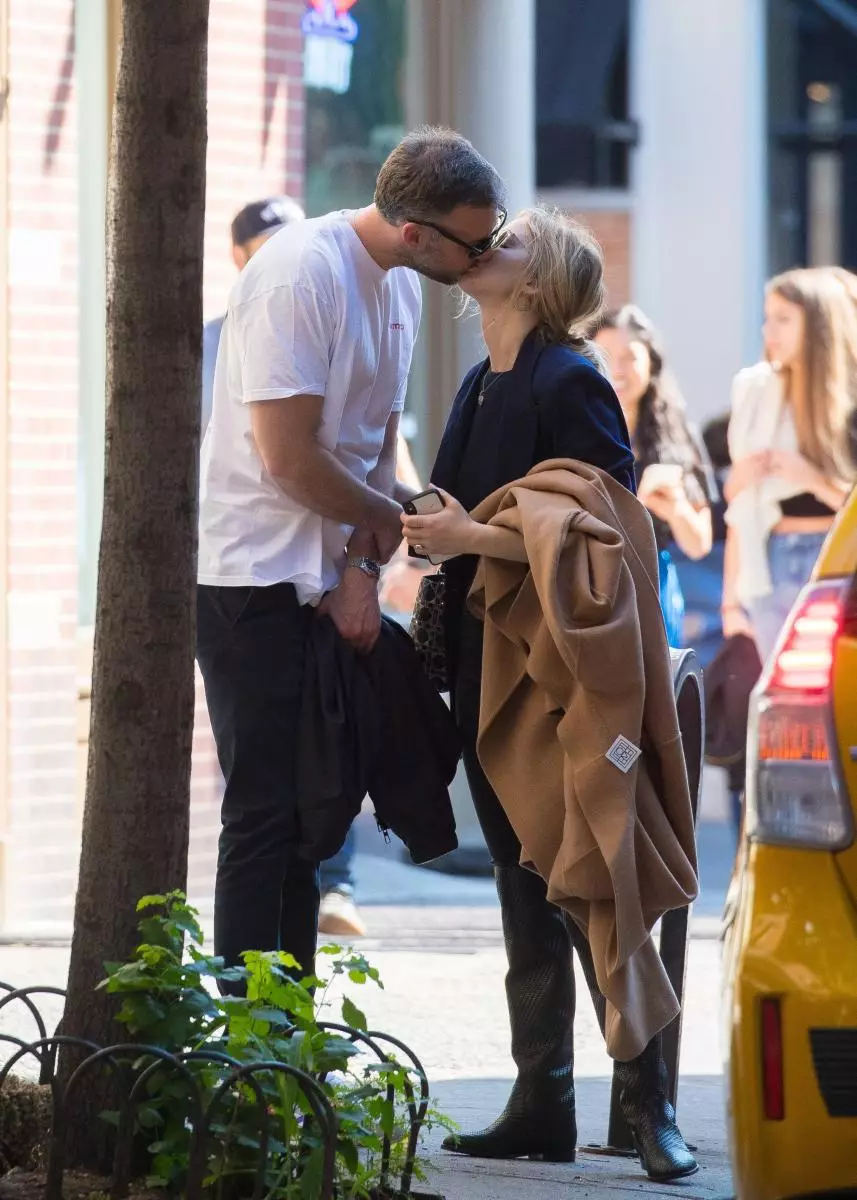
{"type": "Point", "coordinates": [265, 216]}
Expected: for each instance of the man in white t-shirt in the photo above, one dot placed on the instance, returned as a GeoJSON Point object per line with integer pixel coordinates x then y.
{"type": "Point", "coordinates": [298, 504]}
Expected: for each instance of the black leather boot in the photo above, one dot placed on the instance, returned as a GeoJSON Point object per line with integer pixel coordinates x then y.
{"type": "Point", "coordinates": [538, 1121]}
{"type": "Point", "coordinates": [651, 1117]}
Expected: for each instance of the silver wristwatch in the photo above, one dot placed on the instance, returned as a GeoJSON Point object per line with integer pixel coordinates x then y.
{"type": "Point", "coordinates": [367, 565]}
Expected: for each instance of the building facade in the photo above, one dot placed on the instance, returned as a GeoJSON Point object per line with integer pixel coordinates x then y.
{"type": "Point", "coordinates": [708, 146]}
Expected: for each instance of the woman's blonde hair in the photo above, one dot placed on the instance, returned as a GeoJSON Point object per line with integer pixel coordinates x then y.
{"type": "Point", "coordinates": [824, 390]}
{"type": "Point", "coordinates": [564, 281]}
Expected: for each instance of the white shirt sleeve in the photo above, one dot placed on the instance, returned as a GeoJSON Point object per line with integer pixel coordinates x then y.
{"type": "Point", "coordinates": [399, 401]}
{"type": "Point", "coordinates": [285, 337]}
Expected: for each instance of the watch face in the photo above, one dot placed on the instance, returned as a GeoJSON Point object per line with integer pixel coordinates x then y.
{"type": "Point", "coordinates": [366, 565]}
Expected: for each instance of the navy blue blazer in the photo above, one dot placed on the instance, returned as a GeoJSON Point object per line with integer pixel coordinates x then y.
{"type": "Point", "coordinates": [557, 405]}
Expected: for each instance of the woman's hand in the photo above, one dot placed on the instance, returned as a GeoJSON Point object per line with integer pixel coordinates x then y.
{"type": "Point", "coordinates": [449, 532]}
{"type": "Point", "coordinates": [735, 620]}
{"type": "Point", "coordinates": [795, 469]}
{"type": "Point", "coordinates": [663, 501]}
{"type": "Point", "coordinates": [745, 472]}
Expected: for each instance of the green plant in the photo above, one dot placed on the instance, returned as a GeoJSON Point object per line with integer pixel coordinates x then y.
{"type": "Point", "coordinates": [169, 1000]}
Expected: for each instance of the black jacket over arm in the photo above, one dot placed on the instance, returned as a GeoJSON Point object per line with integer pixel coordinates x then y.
{"type": "Point", "coordinates": [373, 723]}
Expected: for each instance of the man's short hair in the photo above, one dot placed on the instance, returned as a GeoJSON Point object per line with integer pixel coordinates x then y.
{"type": "Point", "coordinates": [264, 216]}
{"type": "Point", "coordinates": [431, 172]}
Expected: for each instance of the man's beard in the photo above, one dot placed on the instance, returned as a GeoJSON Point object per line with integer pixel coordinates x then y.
{"type": "Point", "coordinates": [437, 274]}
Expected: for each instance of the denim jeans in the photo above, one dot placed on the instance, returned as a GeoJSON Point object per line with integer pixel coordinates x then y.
{"type": "Point", "coordinates": [337, 873]}
{"type": "Point", "coordinates": [250, 647]}
{"type": "Point", "coordinates": [791, 558]}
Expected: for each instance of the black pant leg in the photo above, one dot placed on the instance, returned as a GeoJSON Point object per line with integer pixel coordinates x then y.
{"type": "Point", "coordinates": [500, 837]}
{"type": "Point", "coordinates": [251, 647]}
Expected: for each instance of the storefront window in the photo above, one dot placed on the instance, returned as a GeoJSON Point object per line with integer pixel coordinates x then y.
{"type": "Point", "coordinates": [812, 109]}
{"type": "Point", "coordinates": [354, 63]}
{"type": "Point", "coordinates": [583, 132]}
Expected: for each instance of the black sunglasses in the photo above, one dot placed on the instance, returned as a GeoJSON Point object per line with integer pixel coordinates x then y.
{"type": "Point", "coordinates": [474, 249]}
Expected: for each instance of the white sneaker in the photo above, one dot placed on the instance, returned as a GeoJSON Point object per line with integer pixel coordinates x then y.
{"type": "Point", "coordinates": [339, 915]}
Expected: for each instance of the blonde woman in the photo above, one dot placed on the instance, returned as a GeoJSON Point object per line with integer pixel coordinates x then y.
{"type": "Point", "coordinates": [540, 394]}
{"type": "Point", "coordinates": [791, 440]}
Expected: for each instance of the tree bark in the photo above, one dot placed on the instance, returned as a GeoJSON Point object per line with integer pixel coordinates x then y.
{"type": "Point", "coordinates": [135, 826]}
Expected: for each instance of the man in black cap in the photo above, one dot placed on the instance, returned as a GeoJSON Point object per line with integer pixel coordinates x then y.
{"type": "Point", "coordinates": [251, 229]}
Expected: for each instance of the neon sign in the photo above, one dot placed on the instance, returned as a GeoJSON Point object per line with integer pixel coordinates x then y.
{"type": "Point", "coordinates": [330, 32]}
{"type": "Point", "coordinates": [330, 18]}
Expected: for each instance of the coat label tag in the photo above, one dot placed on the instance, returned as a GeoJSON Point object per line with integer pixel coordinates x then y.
{"type": "Point", "coordinates": [623, 754]}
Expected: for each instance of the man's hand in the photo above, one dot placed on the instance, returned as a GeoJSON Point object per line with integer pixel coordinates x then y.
{"type": "Point", "coordinates": [354, 609]}
{"type": "Point", "coordinates": [388, 532]}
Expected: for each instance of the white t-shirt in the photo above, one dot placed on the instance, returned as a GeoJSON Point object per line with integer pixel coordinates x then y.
{"type": "Point", "coordinates": [311, 314]}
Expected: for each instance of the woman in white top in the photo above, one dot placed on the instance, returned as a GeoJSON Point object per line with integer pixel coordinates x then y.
{"type": "Point", "coordinates": [792, 444]}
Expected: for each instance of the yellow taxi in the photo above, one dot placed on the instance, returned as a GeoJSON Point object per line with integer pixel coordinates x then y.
{"type": "Point", "coordinates": [790, 950]}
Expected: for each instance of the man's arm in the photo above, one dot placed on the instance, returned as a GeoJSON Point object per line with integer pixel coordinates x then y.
{"type": "Point", "coordinates": [382, 478]}
{"type": "Point", "coordinates": [286, 435]}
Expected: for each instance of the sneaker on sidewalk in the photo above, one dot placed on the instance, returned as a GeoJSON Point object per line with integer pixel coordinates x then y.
{"type": "Point", "coordinates": [338, 914]}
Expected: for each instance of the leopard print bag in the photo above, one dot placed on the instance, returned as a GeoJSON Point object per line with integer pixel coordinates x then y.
{"type": "Point", "coordinates": [427, 629]}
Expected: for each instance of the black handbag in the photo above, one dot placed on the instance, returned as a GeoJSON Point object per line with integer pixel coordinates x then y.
{"type": "Point", "coordinates": [728, 682]}
{"type": "Point", "coordinates": [428, 631]}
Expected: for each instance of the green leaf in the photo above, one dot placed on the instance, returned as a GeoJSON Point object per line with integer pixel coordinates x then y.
{"type": "Point", "coordinates": [149, 1118]}
{"type": "Point", "coordinates": [349, 1154]}
{"type": "Point", "coordinates": [353, 1016]}
{"type": "Point", "coordinates": [150, 902]}
{"type": "Point", "coordinates": [272, 1016]}
{"type": "Point", "coordinates": [160, 1147]}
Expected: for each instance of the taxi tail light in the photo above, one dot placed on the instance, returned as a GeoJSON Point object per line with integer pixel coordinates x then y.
{"type": "Point", "coordinates": [773, 1091]}
{"type": "Point", "coordinates": [795, 794]}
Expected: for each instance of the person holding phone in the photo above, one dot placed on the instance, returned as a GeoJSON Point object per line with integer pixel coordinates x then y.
{"type": "Point", "coordinates": [541, 394]}
{"type": "Point", "coordinates": [675, 480]}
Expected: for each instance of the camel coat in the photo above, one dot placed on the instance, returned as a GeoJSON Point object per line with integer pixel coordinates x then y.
{"type": "Point", "coordinates": [575, 656]}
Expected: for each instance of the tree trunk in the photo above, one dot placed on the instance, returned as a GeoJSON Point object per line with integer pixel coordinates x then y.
{"type": "Point", "coordinates": [135, 826]}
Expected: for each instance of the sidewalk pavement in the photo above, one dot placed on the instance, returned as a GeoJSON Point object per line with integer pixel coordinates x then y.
{"type": "Point", "coordinates": [437, 943]}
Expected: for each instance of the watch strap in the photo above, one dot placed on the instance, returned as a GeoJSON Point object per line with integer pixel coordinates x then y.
{"type": "Point", "coordinates": [367, 565]}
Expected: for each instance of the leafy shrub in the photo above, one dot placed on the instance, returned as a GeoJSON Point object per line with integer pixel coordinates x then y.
{"type": "Point", "coordinates": [170, 1001]}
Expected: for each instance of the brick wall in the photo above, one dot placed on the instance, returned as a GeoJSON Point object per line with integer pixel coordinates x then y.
{"type": "Point", "coordinates": [613, 230]}
{"type": "Point", "coordinates": [40, 803]}
{"type": "Point", "coordinates": [255, 148]}
{"type": "Point", "coordinates": [255, 121]}
{"type": "Point", "coordinates": [612, 224]}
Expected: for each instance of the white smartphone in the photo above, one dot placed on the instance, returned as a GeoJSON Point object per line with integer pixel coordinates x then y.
{"type": "Point", "coordinates": [660, 475]}
{"type": "Point", "coordinates": [424, 505]}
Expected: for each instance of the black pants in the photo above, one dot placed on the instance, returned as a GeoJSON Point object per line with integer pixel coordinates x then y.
{"type": "Point", "coordinates": [250, 647]}
{"type": "Point", "coordinates": [500, 837]}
